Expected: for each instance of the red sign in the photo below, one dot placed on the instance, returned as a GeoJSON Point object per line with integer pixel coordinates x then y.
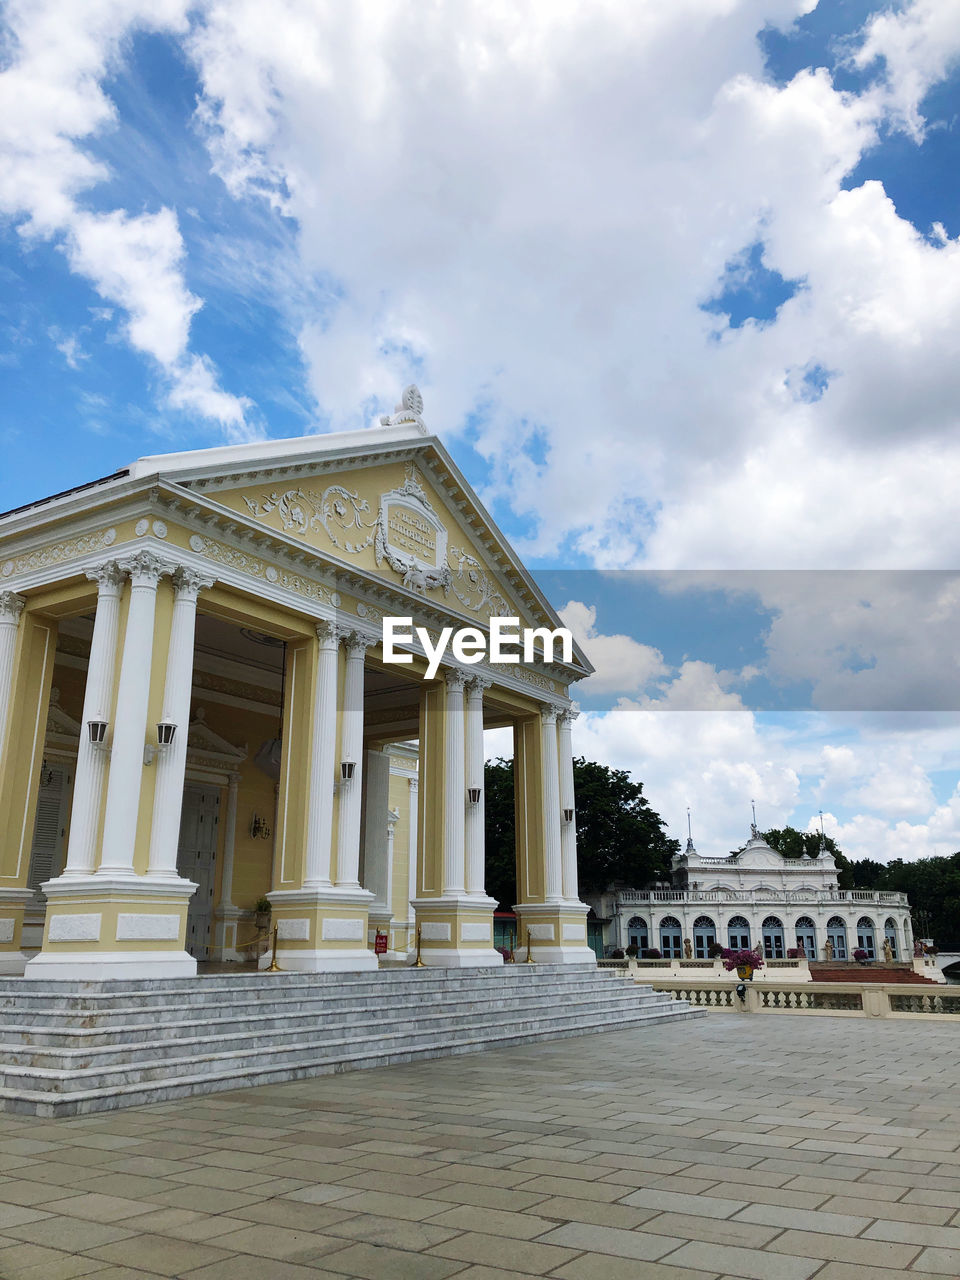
{"type": "Point", "coordinates": [380, 944]}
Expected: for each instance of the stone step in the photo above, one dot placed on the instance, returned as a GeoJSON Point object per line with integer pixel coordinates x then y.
{"type": "Point", "coordinates": [48, 1031]}
{"type": "Point", "coordinates": [103, 1045]}
{"type": "Point", "coordinates": [30, 1043]}
{"type": "Point", "coordinates": [67, 1076]}
{"type": "Point", "coordinates": [40, 1102]}
{"type": "Point", "coordinates": [200, 987]}
{"type": "Point", "coordinates": [37, 1091]}
{"type": "Point", "coordinates": [96, 997]}
{"type": "Point", "coordinates": [278, 1006]}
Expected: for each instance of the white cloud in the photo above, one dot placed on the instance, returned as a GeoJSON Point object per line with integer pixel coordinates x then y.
{"type": "Point", "coordinates": [51, 99]}
{"type": "Point", "coordinates": [918, 45]}
{"type": "Point", "coordinates": [622, 664]}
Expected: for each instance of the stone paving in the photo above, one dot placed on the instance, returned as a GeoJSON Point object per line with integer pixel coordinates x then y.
{"type": "Point", "coordinates": [771, 1148]}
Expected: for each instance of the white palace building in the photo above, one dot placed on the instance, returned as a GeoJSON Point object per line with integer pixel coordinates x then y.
{"type": "Point", "coordinates": [755, 897]}
{"type": "Point", "coordinates": [196, 713]}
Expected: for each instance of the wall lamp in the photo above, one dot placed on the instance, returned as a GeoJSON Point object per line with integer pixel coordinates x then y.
{"type": "Point", "coordinates": [258, 828]}
{"type": "Point", "coordinates": [473, 795]}
{"type": "Point", "coordinates": [347, 768]}
{"type": "Point", "coordinates": [568, 815]}
{"type": "Point", "coordinates": [166, 732]}
{"type": "Point", "coordinates": [97, 729]}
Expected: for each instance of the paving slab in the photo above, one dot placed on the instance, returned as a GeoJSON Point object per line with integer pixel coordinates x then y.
{"type": "Point", "coordinates": [642, 1154]}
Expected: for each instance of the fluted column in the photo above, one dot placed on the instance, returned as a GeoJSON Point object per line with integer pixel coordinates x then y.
{"type": "Point", "coordinates": [323, 760]}
{"type": "Point", "coordinates": [568, 829]}
{"type": "Point", "coordinates": [473, 757]}
{"type": "Point", "coordinates": [229, 843]}
{"type": "Point", "coordinates": [129, 733]}
{"type": "Point", "coordinates": [171, 762]}
{"type": "Point", "coordinates": [11, 607]}
{"type": "Point", "coordinates": [351, 748]}
{"type": "Point", "coordinates": [91, 760]}
{"type": "Point", "coordinates": [413, 792]}
{"type": "Point", "coordinates": [553, 870]}
{"type": "Point", "coordinates": [453, 783]}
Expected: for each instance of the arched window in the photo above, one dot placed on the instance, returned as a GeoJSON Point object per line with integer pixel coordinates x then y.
{"type": "Point", "coordinates": [773, 938]}
{"type": "Point", "coordinates": [704, 936]}
{"type": "Point", "coordinates": [807, 937]}
{"type": "Point", "coordinates": [738, 933]}
{"type": "Point", "coordinates": [670, 937]}
{"type": "Point", "coordinates": [837, 937]}
{"type": "Point", "coordinates": [866, 937]}
{"type": "Point", "coordinates": [637, 933]}
{"type": "Point", "coordinates": [890, 933]}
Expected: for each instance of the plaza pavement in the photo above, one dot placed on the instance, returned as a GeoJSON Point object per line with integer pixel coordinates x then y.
{"type": "Point", "coordinates": [775, 1148]}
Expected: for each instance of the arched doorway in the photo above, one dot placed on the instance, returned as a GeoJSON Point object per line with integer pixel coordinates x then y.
{"type": "Point", "coordinates": [773, 938]}
{"type": "Point", "coordinates": [704, 936]}
{"type": "Point", "coordinates": [807, 937]}
{"type": "Point", "coordinates": [866, 937]}
{"type": "Point", "coordinates": [670, 937]}
{"type": "Point", "coordinates": [837, 937]}
{"type": "Point", "coordinates": [890, 933]}
{"type": "Point", "coordinates": [738, 933]}
{"type": "Point", "coordinates": [637, 933]}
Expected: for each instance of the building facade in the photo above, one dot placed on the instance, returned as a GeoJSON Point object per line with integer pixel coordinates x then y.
{"type": "Point", "coordinates": [755, 897]}
{"type": "Point", "coordinates": [196, 712]}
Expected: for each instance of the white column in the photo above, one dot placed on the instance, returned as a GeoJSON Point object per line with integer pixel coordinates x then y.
{"type": "Point", "coordinates": [454, 796]}
{"type": "Point", "coordinates": [413, 785]}
{"type": "Point", "coordinates": [553, 874]}
{"type": "Point", "coordinates": [11, 607]}
{"type": "Point", "coordinates": [171, 762]}
{"type": "Point", "coordinates": [351, 748]}
{"type": "Point", "coordinates": [568, 830]}
{"type": "Point", "coordinates": [323, 761]}
{"type": "Point", "coordinates": [91, 760]}
{"type": "Point", "coordinates": [229, 843]}
{"type": "Point", "coordinates": [473, 756]}
{"type": "Point", "coordinates": [129, 732]}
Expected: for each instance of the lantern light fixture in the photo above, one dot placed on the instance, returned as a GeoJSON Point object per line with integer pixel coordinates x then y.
{"type": "Point", "coordinates": [473, 795]}
{"type": "Point", "coordinates": [347, 768]}
{"type": "Point", "coordinates": [568, 815]}
{"type": "Point", "coordinates": [166, 732]}
{"type": "Point", "coordinates": [97, 729]}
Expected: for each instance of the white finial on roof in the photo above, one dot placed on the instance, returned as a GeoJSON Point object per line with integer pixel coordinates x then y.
{"type": "Point", "coordinates": [753, 825]}
{"type": "Point", "coordinates": [410, 409]}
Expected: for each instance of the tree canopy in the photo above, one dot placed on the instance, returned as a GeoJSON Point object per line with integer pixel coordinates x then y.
{"type": "Point", "coordinates": [619, 836]}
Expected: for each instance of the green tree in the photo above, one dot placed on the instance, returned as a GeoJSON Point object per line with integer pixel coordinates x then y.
{"type": "Point", "coordinates": [619, 836]}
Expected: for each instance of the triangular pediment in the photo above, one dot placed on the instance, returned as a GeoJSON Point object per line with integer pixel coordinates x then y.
{"type": "Point", "coordinates": [62, 729]}
{"type": "Point", "coordinates": [203, 743]}
{"type": "Point", "coordinates": [387, 502]}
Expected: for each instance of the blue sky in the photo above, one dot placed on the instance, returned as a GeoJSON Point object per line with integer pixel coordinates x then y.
{"type": "Point", "coordinates": [680, 286]}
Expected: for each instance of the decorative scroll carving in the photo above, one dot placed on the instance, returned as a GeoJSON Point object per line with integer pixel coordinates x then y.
{"type": "Point", "coordinates": [336, 511]}
{"type": "Point", "coordinates": [58, 552]}
{"type": "Point", "coordinates": [258, 568]}
{"type": "Point", "coordinates": [473, 587]}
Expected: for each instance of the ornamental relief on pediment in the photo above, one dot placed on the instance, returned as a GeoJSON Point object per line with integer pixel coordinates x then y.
{"type": "Point", "coordinates": [405, 532]}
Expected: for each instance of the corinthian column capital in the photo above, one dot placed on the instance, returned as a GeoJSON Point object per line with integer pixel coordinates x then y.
{"type": "Point", "coordinates": [11, 606]}
{"type": "Point", "coordinates": [108, 576]}
{"type": "Point", "coordinates": [190, 582]}
{"type": "Point", "coordinates": [145, 568]}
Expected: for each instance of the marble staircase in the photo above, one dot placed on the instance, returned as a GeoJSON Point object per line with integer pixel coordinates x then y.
{"type": "Point", "coordinates": [69, 1048]}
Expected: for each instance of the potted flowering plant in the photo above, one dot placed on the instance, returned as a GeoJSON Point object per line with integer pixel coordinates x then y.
{"type": "Point", "coordinates": [861, 956]}
{"type": "Point", "coordinates": [653, 953]}
{"type": "Point", "coordinates": [745, 962]}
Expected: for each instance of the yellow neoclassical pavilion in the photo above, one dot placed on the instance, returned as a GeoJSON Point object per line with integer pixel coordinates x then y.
{"type": "Point", "coordinates": [195, 712]}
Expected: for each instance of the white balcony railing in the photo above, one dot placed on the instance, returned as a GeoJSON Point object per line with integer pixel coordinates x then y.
{"type": "Point", "coordinates": [651, 897]}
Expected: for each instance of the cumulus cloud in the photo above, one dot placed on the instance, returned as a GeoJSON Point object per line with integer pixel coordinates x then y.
{"type": "Point", "coordinates": [622, 664]}
{"type": "Point", "coordinates": [51, 100]}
